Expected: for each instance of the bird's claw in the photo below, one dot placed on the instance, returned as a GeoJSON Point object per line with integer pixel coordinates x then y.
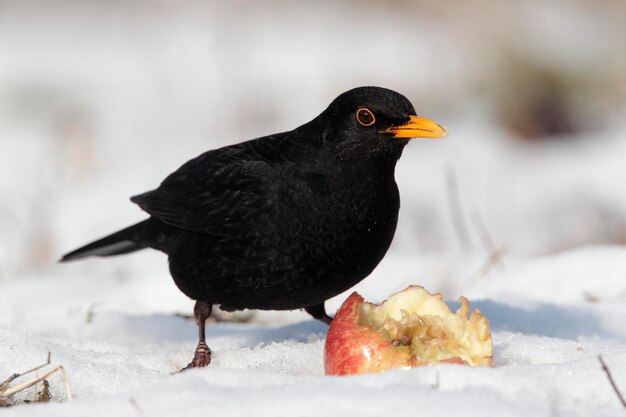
{"type": "Point", "coordinates": [201, 357]}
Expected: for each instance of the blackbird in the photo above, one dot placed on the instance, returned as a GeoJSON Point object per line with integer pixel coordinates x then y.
{"type": "Point", "coordinates": [281, 222]}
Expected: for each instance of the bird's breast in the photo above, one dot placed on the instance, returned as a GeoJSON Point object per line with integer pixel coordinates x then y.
{"type": "Point", "coordinates": [347, 225]}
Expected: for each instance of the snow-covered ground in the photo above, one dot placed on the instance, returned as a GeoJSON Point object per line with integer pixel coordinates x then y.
{"type": "Point", "coordinates": [100, 100]}
{"type": "Point", "coordinates": [551, 317]}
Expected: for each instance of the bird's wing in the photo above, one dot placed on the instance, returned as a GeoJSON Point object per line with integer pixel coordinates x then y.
{"type": "Point", "coordinates": [217, 196]}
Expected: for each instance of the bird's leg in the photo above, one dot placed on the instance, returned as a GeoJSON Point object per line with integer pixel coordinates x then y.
{"type": "Point", "coordinates": [202, 355]}
{"type": "Point", "coordinates": [318, 312]}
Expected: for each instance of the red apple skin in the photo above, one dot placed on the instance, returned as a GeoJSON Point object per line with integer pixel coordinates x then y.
{"type": "Point", "coordinates": [354, 349]}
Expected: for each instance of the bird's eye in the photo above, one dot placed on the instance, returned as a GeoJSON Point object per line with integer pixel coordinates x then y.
{"type": "Point", "coordinates": [365, 117]}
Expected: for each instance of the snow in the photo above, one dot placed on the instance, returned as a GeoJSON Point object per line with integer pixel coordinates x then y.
{"type": "Point", "coordinates": [119, 356]}
{"type": "Point", "coordinates": [100, 100]}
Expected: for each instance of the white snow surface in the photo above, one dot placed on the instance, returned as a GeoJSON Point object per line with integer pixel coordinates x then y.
{"type": "Point", "coordinates": [551, 317]}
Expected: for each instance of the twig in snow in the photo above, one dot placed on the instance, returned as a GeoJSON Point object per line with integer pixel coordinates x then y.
{"type": "Point", "coordinates": [437, 383]}
{"type": "Point", "coordinates": [493, 260]}
{"type": "Point", "coordinates": [456, 211]}
{"type": "Point", "coordinates": [7, 391]}
{"type": "Point", "coordinates": [91, 313]}
{"type": "Point", "coordinates": [485, 236]}
{"type": "Point", "coordinates": [133, 403]}
{"type": "Point", "coordinates": [608, 374]}
{"type": "Point", "coordinates": [590, 297]}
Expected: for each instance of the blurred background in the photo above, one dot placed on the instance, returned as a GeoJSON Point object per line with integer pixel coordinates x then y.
{"type": "Point", "coordinates": [100, 100]}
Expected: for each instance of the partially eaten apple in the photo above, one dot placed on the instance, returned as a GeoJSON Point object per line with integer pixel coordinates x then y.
{"type": "Point", "coordinates": [411, 328]}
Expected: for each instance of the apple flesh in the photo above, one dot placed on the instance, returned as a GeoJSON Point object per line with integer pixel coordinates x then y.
{"type": "Point", "coordinates": [411, 328]}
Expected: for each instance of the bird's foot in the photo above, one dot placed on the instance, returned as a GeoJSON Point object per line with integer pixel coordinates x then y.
{"type": "Point", "coordinates": [201, 357]}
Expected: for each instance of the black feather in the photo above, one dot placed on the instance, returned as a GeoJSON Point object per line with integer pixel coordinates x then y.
{"type": "Point", "coordinates": [117, 243]}
{"type": "Point", "coordinates": [280, 222]}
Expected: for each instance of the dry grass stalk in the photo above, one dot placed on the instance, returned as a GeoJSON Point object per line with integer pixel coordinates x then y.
{"type": "Point", "coordinates": [611, 381]}
{"type": "Point", "coordinates": [7, 391]}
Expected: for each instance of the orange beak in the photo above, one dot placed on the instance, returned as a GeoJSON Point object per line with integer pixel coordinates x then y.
{"type": "Point", "coordinates": [418, 127]}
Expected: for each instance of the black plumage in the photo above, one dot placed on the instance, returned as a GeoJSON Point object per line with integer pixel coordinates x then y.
{"type": "Point", "coordinates": [285, 221]}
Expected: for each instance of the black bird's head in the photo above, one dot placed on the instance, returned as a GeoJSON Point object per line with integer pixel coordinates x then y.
{"type": "Point", "coordinates": [373, 122]}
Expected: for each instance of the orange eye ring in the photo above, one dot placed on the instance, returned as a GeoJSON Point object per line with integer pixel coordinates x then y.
{"type": "Point", "coordinates": [365, 117]}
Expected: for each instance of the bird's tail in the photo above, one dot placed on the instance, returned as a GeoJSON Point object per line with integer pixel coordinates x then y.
{"type": "Point", "coordinates": [124, 241]}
